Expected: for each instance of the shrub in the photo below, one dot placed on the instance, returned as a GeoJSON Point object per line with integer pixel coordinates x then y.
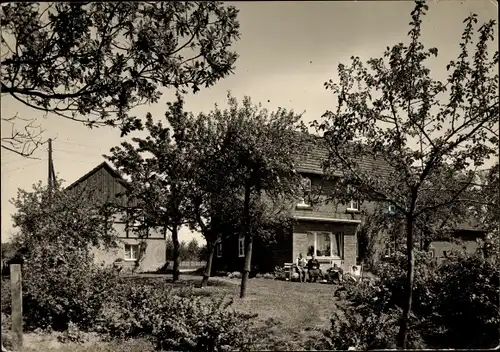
{"type": "Point", "coordinates": [466, 309]}
{"type": "Point", "coordinates": [62, 285]}
{"type": "Point", "coordinates": [454, 305]}
{"type": "Point", "coordinates": [6, 299]}
{"type": "Point", "coordinates": [366, 331]}
{"type": "Point", "coordinates": [196, 325]}
{"type": "Point", "coordinates": [179, 321]}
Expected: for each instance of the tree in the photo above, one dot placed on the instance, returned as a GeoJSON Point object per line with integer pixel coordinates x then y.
{"type": "Point", "coordinates": [213, 144]}
{"type": "Point", "coordinates": [93, 62]}
{"type": "Point", "coordinates": [55, 215]}
{"type": "Point", "coordinates": [260, 159]}
{"type": "Point", "coordinates": [192, 249]}
{"type": "Point", "coordinates": [57, 229]}
{"type": "Point", "coordinates": [160, 171]}
{"type": "Point", "coordinates": [391, 109]}
{"type": "Point", "coordinates": [487, 207]}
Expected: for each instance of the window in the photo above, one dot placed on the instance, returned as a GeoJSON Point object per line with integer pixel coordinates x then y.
{"type": "Point", "coordinates": [353, 204]}
{"type": "Point", "coordinates": [325, 244]}
{"type": "Point", "coordinates": [391, 209]}
{"type": "Point", "coordinates": [306, 193]}
{"type": "Point", "coordinates": [241, 246]}
{"type": "Point", "coordinates": [131, 251]}
{"type": "Point", "coordinates": [218, 249]}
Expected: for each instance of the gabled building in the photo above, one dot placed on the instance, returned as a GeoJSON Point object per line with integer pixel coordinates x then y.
{"type": "Point", "coordinates": [327, 229]}
{"type": "Point", "coordinates": [106, 185]}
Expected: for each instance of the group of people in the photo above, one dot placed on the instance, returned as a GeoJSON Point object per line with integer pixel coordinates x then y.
{"type": "Point", "coordinates": [313, 271]}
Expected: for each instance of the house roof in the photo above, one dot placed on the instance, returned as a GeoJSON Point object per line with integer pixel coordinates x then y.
{"type": "Point", "coordinates": [108, 168]}
{"type": "Point", "coordinates": [315, 154]}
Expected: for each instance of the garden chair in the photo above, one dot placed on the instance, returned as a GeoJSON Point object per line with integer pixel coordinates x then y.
{"type": "Point", "coordinates": [289, 270]}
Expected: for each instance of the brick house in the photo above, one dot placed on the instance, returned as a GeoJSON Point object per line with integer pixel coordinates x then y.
{"type": "Point", "coordinates": [326, 229]}
{"type": "Point", "coordinates": [145, 254]}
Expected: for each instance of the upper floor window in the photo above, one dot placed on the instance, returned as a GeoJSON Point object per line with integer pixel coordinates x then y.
{"type": "Point", "coordinates": [305, 199]}
{"type": "Point", "coordinates": [241, 246]}
{"type": "Point", "coordinates": [391, 209]}
{"type": "Point", "coordinates": [353, 203]}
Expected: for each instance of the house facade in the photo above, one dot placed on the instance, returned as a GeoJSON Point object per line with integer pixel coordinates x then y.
{"type": "Point", "coordinates": [144, 254]}
{"type": "Point", "coordinates": [326, 229]}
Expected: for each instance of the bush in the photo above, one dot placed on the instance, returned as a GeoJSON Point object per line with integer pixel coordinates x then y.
{"type": "Point", "coordinates": [6, 299]}
{"type": "Point", "coordinates": [175, 322]}
{"type": "Point", "coordinates": [196, 325]}
{"type": "Point", "coordinates": [61, 285]}
{"type": "Point", "coordinates": [361, 331]}
{"type": "Point", "coordinates": [466, 309]}
{"type": "Point", "coordinates": [454, 305]}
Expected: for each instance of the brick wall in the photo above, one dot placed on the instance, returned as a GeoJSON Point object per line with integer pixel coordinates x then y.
{"type": "Point", "coordinates": [348, 229]}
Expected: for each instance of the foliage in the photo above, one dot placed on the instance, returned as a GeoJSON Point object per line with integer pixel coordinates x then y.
{"type": "Point", "coordinates": [350, 329]}
{"type": "Point", "coordinates": [57, 230]}
{"type": "Point", "coordinates": [61, 285]}
{"type": "Point", "coordinates": [160, 171]}
{"type": "Point", "coordinates": [187, 251]}
{"type": "Point", "coordinates": [218, 140]}
{"type": "Point", "coordinates": [93, 62]}
{"type": "Point", "coordinates": [177, 322]}
{"type": "Point", "coordinates": [258, 153]}
{"type": "Point", "coordinates": [72, 334]}
{"type": "Point", "coordinates": [75, 218]}
{"type": "Point", "coordinates": [455, 304]}
{"type": "Point", "coordinates": [466, 311]}
{"type": "Point", "coordinates": [420, 130]}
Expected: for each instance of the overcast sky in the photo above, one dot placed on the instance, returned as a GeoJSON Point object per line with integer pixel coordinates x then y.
{"type": "Point", "coordinates": [287, 51]}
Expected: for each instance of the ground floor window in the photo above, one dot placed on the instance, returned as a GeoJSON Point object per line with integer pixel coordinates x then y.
{"type": "Point", "coordinates": [218, 249]}
{"type": "Point", "coordinates": [241, 246]}
{"type": "Point", "coordinates": [131, 251]}
{"type": "Point", "coordinates": [325, 244]}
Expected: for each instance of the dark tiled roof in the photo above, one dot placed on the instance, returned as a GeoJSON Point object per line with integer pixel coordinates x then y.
{"type": "Point", "coordinates": [315, 153]}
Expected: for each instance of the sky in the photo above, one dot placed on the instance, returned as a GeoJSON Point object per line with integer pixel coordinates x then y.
{"type": "Point", "coordinates": [286, 52]}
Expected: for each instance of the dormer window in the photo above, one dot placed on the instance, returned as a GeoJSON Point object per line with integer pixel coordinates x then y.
{"type": "Point", "coordinates": [305, 199]}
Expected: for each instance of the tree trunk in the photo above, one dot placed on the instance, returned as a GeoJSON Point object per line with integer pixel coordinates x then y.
{"type": "Point", "coordinates": [248, 264]}
{"type": "Point", "coordinates": [248, 244]}
{"type": "Point", "coordinates": [208, 267]}
{"type": "Point", "coordinates": [405, 319]}
{"type": "Point", "coordinates": [175, 241]}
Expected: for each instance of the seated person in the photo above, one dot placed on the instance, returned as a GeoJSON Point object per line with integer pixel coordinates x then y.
{"type": "Point", "coordinates": [313, 269]}
{"type": "Point", "coordinates": [301, 267]}
{"type": "Point", "coordinates": [335, 273]}
{"type": "Point", "coordinates": [356, 273]}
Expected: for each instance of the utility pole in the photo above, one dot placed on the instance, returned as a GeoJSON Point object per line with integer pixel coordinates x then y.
{"type": "Point", "coordinates": [52, 176]}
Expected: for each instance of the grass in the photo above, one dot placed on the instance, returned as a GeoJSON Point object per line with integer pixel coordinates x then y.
{"type": "Point", "coordinates": [290, 314]}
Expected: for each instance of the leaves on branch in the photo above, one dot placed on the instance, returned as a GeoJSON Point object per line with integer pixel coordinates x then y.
{"type": "Point", "coordinates": [93, 62]}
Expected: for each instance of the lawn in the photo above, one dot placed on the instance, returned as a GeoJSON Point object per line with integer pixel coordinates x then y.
{"type": "Point", "coordinates": [289, 313]}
